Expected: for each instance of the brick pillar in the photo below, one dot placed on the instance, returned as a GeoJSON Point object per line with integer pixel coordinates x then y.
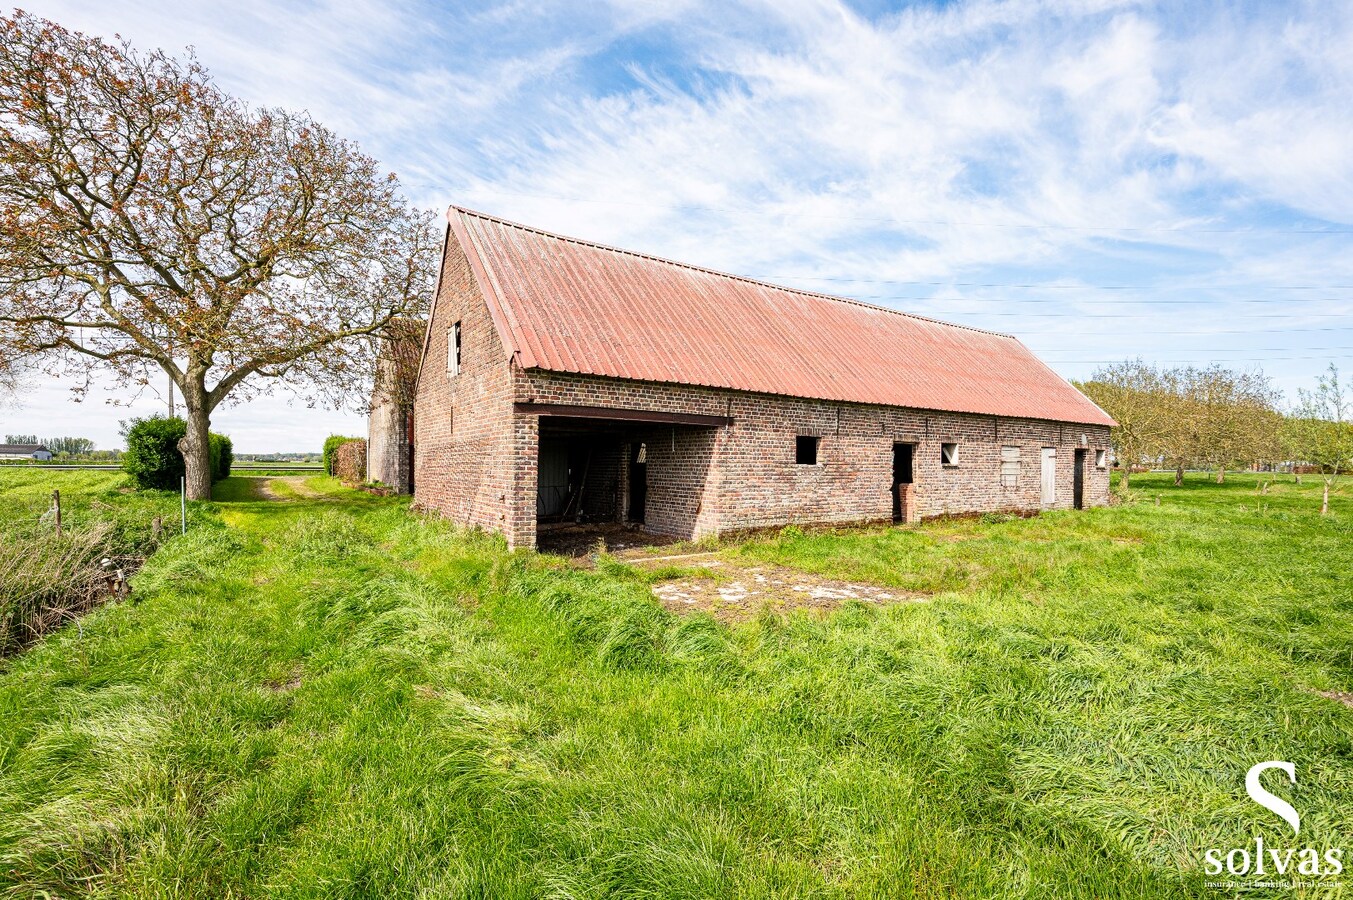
{"type": "Point", "coordinates": [911, 511]}
{"type": "Point", "coordinates": [520, 527]}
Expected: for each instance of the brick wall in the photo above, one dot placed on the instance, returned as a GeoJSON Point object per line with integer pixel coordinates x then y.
{"type": "Point", "coordinates": [387, 445]}
{"type": "Point", "coordinates": [465, 435]}
{"type": "Point", "coordinates": [476, 459]}
{"type": "Point", "coordinates": [745, 475]}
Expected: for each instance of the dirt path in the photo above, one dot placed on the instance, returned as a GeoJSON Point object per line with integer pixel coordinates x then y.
{"type": "Point", "coordinates": [292, 487]}
{"type": "Point", "coordinates": [735, 592]}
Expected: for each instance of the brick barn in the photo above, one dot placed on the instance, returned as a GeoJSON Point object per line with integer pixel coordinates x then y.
{"type": "Point", "coordinates": [562, 381]}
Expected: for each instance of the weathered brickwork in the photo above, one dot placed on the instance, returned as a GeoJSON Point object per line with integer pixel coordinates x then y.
{"type": "Point", "coordinates": [477, 458]}
{"type": "Point", "coordinates": [464, 430]}
{"type": "Point", "coordinates": [745, 475]}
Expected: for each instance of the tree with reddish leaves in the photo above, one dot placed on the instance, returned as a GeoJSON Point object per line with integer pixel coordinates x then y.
{"type": "Point", "coordinates": [150, 223]}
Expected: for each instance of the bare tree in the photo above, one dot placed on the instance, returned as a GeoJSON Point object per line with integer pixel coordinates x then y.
{"type": "Point", "coordinates": [1134, 394]}
{"type": "Point", "coordinates": [150, 222]}
{"type": "Point", "coordinates": [1234, 414]}
{"type": "Point", "coordinates": [1320, 431]}
{"type": "Point", "coordinates": [10, 382]}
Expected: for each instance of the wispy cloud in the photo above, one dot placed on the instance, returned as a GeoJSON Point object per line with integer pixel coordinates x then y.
{"type": "Point", "coordinates": [1169, 152]}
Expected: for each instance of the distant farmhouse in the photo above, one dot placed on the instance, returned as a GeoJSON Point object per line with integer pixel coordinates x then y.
{"type": "Point", "coordinates": [24, 451]}
{"type": "Point", "coordinates": [563, 381]}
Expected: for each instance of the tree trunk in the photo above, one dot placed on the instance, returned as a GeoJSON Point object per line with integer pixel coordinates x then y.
{"type": "Point", "coordinates": [1221, 474]}
{"type": "Point", "coordinates": [196, 444]}
{"type": "Point", "coordinates": [1127, 476]}
{"type": "Point", "coordinates": [1325, 500]}
{"type": "Point", "coordinates": [1178, 476]}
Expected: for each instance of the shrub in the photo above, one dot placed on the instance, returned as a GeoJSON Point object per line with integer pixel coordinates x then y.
{"type": "Point", "coordinates": [152, 458]}
{"type": "Point", "coordinates": [331, 445]}
{"type": "Point", "coordinates": [350, 461]}
{"type": "Point", "coordinates": [222, 456]}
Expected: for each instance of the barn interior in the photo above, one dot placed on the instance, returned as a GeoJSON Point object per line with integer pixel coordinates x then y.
{"type": "Point", "coordinates": [624, 481]}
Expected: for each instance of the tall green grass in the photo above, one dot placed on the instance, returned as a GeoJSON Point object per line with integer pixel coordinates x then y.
{"type": "Point", "coordinates": [340, 699]}
{"type": "Point", "coordinates": [48, 577]}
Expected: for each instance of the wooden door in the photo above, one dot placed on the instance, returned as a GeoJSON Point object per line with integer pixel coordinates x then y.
{"type": "Point", "coordinates": [1049, 476]}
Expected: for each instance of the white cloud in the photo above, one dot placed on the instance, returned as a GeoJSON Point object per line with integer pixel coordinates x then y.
{"type": "Point", "coordinates": [800, 139]}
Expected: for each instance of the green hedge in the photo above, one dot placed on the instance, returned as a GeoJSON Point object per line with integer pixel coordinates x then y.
{"type": "Point", "coordinates": [153, 459]}
{"type": "Point", "coordinates": [222, 456]}
{"type": "Point", "coordinates": [331, 444]}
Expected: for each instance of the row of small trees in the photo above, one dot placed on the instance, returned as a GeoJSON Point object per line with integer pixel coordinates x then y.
{"type": "Point", "coordinates": [1220, 419]}
{"type": "Point", "coordinates": [72, 446]}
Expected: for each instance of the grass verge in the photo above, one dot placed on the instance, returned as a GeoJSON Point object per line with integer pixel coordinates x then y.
{"type": "Point", "coordinates": [330, 697]}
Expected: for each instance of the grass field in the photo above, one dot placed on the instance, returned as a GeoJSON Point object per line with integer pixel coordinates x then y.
{"type": "Point", "coordinates": [47, 578]}
{"type": "Point", "coordinates": [322, 695]}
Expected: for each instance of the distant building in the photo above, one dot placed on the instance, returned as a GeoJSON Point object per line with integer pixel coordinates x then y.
{"type": "Point", "coordinates": [389, 444]}
{"type": "Point", "coordinates": [563, 381]}
{"type": "Point", "coordinates": [24, 451]}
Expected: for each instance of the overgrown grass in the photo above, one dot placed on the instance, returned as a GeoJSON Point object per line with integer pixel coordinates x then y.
{"type": "Point", "coordinates": [334, 698]}
{"type": "Point", "coordinates": [49, 577]}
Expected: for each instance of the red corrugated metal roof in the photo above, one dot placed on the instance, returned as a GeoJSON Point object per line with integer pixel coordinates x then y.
{"type": "Point", "coordinates": [566, 305]}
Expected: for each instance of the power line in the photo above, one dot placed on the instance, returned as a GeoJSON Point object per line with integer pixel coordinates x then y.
{"type": "Point", "coordinates": [1066, 287]}
{"type": "Point", "coordinates": [1258, 359]}
{"type": "Point", "coordinates": [1093, 316]}
{"type": "Point", "coordinates": [1152, 301]}
{"type": "Point", "coordinates": [1218, 349]}
{"type": "Point", "coordinates": [1259, 331]}
{"type": "Point", "coordinates": [1172, 229]}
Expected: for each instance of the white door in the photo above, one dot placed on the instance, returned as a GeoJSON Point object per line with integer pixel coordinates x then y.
{"type": "Point", "coordinates": [1049, 476]}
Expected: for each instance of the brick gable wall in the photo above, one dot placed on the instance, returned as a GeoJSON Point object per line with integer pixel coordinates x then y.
{"type": "Point", "coordinates": [463, 425]}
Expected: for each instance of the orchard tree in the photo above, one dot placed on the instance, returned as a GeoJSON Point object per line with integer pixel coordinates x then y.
{"type": "Point", "coordinates": [1134, 394]}
{"type": "Point", "coordinates": [150, 223]}
{"type": "Point", "coordinates": [1235, 416]}
{"type": "Point", "coordinates": [1320, 432]}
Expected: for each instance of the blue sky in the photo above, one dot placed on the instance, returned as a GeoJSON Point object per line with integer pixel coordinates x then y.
{"type": "Point", "coordinates": [1104, 180]}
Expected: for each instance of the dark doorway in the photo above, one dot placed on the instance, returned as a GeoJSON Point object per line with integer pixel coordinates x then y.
{"type": "Point", "coordinates": [638, 482]}
{"type": "Point", "coordinates": [1078, 482]}
{"type": "Point", "coordinates": [902, 474]}
{"type": "Point", "coordinates": [554, 480]}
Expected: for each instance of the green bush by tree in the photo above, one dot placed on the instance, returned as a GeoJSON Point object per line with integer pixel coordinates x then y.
{"type": "Point", "coordinates": [332, 443]}
{"type": "Point", "coordinates": [222, 456]}
{"type": "Point", "coordinates": [153, 459]}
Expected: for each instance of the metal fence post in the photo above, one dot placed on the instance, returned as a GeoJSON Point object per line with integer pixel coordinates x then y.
{"type": "Point", "coordinates": [183, 505]}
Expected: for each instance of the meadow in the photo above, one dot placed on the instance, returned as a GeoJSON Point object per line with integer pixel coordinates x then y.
{"type": "Point", "coordinates": [48, 577]}
{"type": "Point", "coordinates": [325, 695]}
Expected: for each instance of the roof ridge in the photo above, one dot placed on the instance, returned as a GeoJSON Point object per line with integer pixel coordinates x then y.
{"type": "Point", "coordinates": [695, 268]}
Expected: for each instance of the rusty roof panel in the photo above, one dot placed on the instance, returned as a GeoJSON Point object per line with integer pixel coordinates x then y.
{"type": "Point", "coordinates": [575, 306]}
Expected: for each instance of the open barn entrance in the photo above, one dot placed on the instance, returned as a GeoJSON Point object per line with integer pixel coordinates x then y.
{"type": "Point", "coordinates": [904, 490]}
{"type": "Point", "coordinates": [627, 475]}
{"type": "Point", "coordinates": [638, 483]}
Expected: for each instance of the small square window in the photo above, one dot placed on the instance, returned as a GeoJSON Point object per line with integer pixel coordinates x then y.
{"type": "Point", "coordinates": [453, 350]}
{"type": "Point", "coordinates": [948, 454]}
{"type": "Point", "coordinates": [1100, 458]}
{"type": "Point", "coordinates": [805, 450]}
